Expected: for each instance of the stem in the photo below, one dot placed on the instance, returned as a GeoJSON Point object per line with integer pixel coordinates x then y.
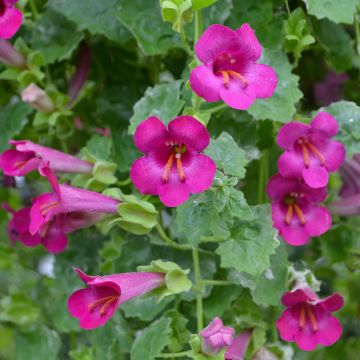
{"type": "Point", "coordinates": [263, 176]}
{"type": "Point", "coordinates": [176, 355]}
{"type": "Point", "coordinates": [287, 7]}
{"type": "Point", "coordinates": [198, 286]}
{"type": "Point", "coordinates": [34, 9]}
{"type": "Point", "coordinates": [169, 241]}
{"type": "Point", "coordinates": [185, 42]}
{"type": "Point", "coordinates": [357, 32]}
{"type": "Point", "coordinates": [124, 182]}
{"type": "Point", "coordinates": [215, 109]}
{"type": "Point", "coordinates": [217, 282]}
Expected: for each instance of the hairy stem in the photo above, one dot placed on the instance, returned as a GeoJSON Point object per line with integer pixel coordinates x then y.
{"type": "Point", "coordinates": [170, 242]}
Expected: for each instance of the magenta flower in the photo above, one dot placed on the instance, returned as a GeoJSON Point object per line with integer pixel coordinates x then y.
{"type": "Point", "coordinates": [307, 321]}
{"type": "Point", "coordinates": [309, 151]}
{"type": "Point", "coordinates": [10, 18]}
{"type": "Point", "coordinates": [229, 71]}
{"type": "Point", "coordinates": [172, 166]}
{"type": "Point", "coordinates": [28, 156]}
{"type": "Point", "coordinates": [216, 337]}
{"type": "Point", "coordinates": [295, 210]}
{"type": "Point", "coordinates": [96, 304]}
{"type": "Point", "coordinates": [82, 207]}
{"type": "Point", "coordinates": [237, 350]}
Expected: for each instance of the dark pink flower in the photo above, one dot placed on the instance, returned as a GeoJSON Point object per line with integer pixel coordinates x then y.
{"type": "Point", "coordinates": [172, 166]}
{"type": "Point", "coordinates": [10, 19]}
{"type": "Point", "coordinates": [295, 209]}
{"type": "Point", "coordinates": [229, 71]}
{"type": "Point", "coordinates": [307, 321]}
{"type": "Point", "coordinates": [309, 151]}
{"type": "Point", "coordinates": [28, 156]}
{"type": "Point", "coordinates": [216, 337]}
{"type": "Point", "coordinates": [96, 304]}
{"type": "Point", "coordinates": [237, 350]}
{"type": "Point", "coordinates": [10, 56]}
{"type": "Point", "coordinates": [81, 207]}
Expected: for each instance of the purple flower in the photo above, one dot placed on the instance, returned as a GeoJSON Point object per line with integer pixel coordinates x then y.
{"type": "Point", "coordinates": [307, 321]}
{"type": "Point", "coordinates": [229, 71]}
{"type": "Point", "coordinates": [96, 304]}
{"type": "Point", "coordinates": [10, 19]}
{"type": "Point", "coordinates": [10, 56]}
{"type": "Point", "coordinates": [216, 337]}
{"type": "Point", "coordinates": [295, 210]}
{"type": "Point", "coordinates": [28, 156]}
{"type": "Point", "coordinates": [237, 350]}
{"type": "Point", "coordinates": [172, 166]}
{"type": "Point", "coordinates": [309, 151]}
{"type": "Point", "coordinates": [72, 207]}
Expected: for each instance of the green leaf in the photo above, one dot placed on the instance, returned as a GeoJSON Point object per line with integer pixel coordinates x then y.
{"type": "Point", "coordinates": [347, 114]}
{"type": "Point", "coordinates": [200, 4]}
{"type": "Point", "coordinates": [55, 36]}
{"type": "Point", "coordinates": [161, 100]}
{"type": "Point", "coordinates": [152, 340]}
{"type": "Point", "coordinates": [82, 353]}
{"type": "Point", "coordinates": [143, 19]}
{"type": "Point", "coordinates": [13, 118]}
{"type": "Point", "coordinates": [251, 244]}
{"type": "Point", "coordinates": [177, 12]}
{"type": "Point", "coordinates": [98, 17]}
{"type": "Point", "coordinates": [337, 11]}
{"type": "Point", "coordinates": [40, 344]}
{"type": "Point", "coordinates": [228, 156]}
{"type": "Point", "coordinates": [281, 106]}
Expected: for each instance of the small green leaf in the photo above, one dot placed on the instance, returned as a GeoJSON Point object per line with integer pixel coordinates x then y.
{"type": "Point", "coordinates": [103, 171]}
{"type": "Point", "coordinates": [200, 4]}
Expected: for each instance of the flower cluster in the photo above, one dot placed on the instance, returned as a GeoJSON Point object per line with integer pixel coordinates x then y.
{"type": "Point", "coordinates": [309, 156]}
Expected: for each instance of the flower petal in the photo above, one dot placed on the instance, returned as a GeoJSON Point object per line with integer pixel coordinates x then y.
{"type": "Point", "coordinates": [291, 164]}
{"type": "Point", "coordinates": [55, 240]}
{"type": "Point", "coordinates": [334, 154]}
{"type": "Point", "coordinates": [215, 41]}
{"type": "Point", "coordinates": [333, 302]}
{"type": "Point", "coordinates": [291, 132]}
{"type": "Point", "coordinates": [291, 298]}
{"type": "Point", "coordinates": [150, 134]}
{"type": "Point", "coordinates": [205, 84]}
{"type": "Point", "coordinates": [249, 43]}
{"type": "Point", "coordinates": [16, 163]}
{"type": "Point", "coordinates": [278, 187]}
{"type": "Point", "coordinates": [262, 80]}
{"type": "Point", "coordinates": [329, 331]}
{"type": "Point", "coordinates": [295, 235]}
{"type": "Point", "coordinates": [325, 123]}
{"type": "Point", "coordinates": [305, 339]}
{"type": "Point", "coordinates": [316, 176]}
{"type": "Point", "coordinates": [288, 324]}
{"type": "Point", "coordinates": [189, 131]}
{"type": "Point", "coordinates": [318, 220]}
{"type": "Point", "coordinates": [174, 192]}
{"type": "Point", "coordinates": [237, 95]}
{"type": "Point", "coordinates": [10, 22]}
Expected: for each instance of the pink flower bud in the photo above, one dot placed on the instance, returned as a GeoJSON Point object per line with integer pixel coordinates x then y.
{"type": "Point", "coordinates": [10, 56]}
{"type": "Point", "coordinates": [37, 98]}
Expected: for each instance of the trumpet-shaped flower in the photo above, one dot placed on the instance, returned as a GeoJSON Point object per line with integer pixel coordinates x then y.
{"type": "Point", "coordinates": [308, 321]}
{"type": "Point", "coordinates": [216, 337]}
{"type": "Point", "coordinates": [10, 19]}
{"type": "Point", "coordinates": [28, 156]}
{"type": "Point", "coordinates": [309, 151]}
{"type": "Point", "coordinates": [295, 210]}
{"type": "Point", "coordinates": [96, 304]}
{"type": "Point", "coordinates": [229, 71]}
{"type": "Point", "coordinates": [172, 166]}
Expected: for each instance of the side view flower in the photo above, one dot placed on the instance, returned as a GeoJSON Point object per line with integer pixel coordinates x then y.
{"type": "Point", "coordinates": [28, 156]}
{"type": "Point", "coordinates": [10, 18]}
{"type": "Point", "coordinates": [229, 71]}
{"type": "Point", "coordinates": [308, 320]}
{"type": "Point", "coordinates": [309, 151]}
{"type": "Point", "coordinates": [172, 167]}
{"type": "Point", "coordinates": [237, 350]}
{"type": "Point", "coordinates": [96, 304]}
{"type": "Point", "coordinates": [295, 209]}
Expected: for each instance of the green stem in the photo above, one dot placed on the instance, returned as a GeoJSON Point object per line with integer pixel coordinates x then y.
{"type": "Point", "coordinates": [198, 286]}
{"type": "Point", "coordinates": [176, 355]}
{"type": "Point", "coordinates": [263, 176]}
{"type": "Point", "coordinates": [124, 182]}
{"type": "Point", "coordinates": [64, 146]}
{"type": "Point", "coordinates": [34, 9]}
{"type": "Point", "coordinates": [215, 109]}
{"type": "Point", "coordinates": [217, 282]}
{"type": "Point", "coordinates": [357, 32]}
{"type": "Point", "coordinates": [287, 7]}
{"type": "Point", "coordinates": [170, 242]}
{"type": "Point", "coordinates": [185, 42]}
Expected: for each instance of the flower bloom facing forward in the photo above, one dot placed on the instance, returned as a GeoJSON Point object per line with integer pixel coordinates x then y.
{"type": "Point", "coordinates": [74, 208]}
{"type": "Point", "coordinates": [95, 305]}
{"type": "Point", "coordinates": [172, 166]}
{"type": "Point", "coordinates": [229, 71]}
{"type": "Point", "coordinates": [10, 18]}
{"type": "Point", "coordinates": [28, 156]}
{"type": "Point", "coordinates": [309, 151]}
{"type": "Point", "coordinates": [295, 210]}
{"type": "Point", "coordinates": [216, 337]}
{"type": "Point", "coordinates": [307, 321]}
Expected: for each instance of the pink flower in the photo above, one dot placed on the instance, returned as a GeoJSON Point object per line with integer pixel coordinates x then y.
{"type": "Point", "coordinates": [172, 166]}
{"type": "Point", "coordinates": [307, 321]}
{"type": "Point", "coordinates": [309, 151]}
{"type": "Point", "coordinates": [229, 71]}
{"type": "Point", "coordinates": [295, 210]}
{"type": "Point", "coordinates": [95, 305]}
{"type": "Point", "coordinates": [28, 156]}
{"type": "Point", "coordinates": [237, 350]}
{"type": "Point", "coordinates": [216, 336]}
{"type": "Point", "coordinates": [82, 207]}
{"type": "Point", "coordinates": [37, 98]}
{"type": "Point", "coordinates": [10, 18]}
